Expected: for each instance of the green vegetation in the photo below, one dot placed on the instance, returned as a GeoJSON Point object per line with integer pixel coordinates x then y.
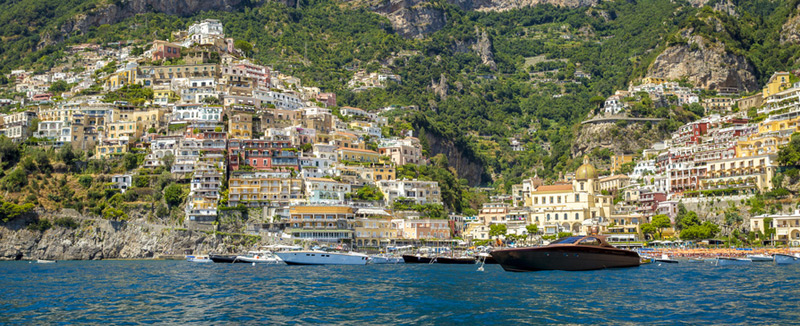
{"type": "Point", "coordinates": [10, 211]}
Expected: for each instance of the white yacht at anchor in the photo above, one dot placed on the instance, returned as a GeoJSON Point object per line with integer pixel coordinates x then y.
{"type": "Point", "coordinates": [318, 257]}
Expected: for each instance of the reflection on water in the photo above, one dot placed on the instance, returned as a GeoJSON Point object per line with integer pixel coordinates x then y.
{"type": "Point", "coordinates": [181, 292]}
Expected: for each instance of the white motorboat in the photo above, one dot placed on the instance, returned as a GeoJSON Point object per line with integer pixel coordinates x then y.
{"type": "Point", "coordinates": [198, 259]}
{"type": "Point", "coordinates": [783, 259]}
{"type": "Point", "coordinates": [318, 257]}
{"type": "Point", "coordinates": [760, 258]}
{"type": "Point", "coordinates": [45, 261]}
{"type": "Point", "coordinates": [665, 259]}
{"type": "Point", "coordinates": [726, 261]}
{"type": "Point", "coordinates": [385, 259]}
{"type": "Point", "coordinates": [260, 257]}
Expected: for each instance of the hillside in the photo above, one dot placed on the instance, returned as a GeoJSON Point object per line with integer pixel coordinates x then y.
{"type": "Point", "coordinates": [481, 72]}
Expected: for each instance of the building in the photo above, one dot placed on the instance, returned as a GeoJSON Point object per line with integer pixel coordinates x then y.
{"type": "Point", "coordinates": [779, 81]}
{"type": "Point", "coordinates": [569, 206]}
{"type": "Point", "coordinates": [787, 226]}
{"type": "Point", "coordinates": [165, 50]}
{"type": "Point", "coordinates": [744, 173]}
{"type": "Point", "coordinates": [321, 223]}
{"type": "Point", "coordinates": [323, 190]}
{"type": "Point", "coordinates": [258, 189]}
{"type": "Point", "coordinates": [240, 126]}
{"type": "Point", "coordinates": [753, 101]}
{"type": "Point", "coordinates": [122, 182]}
{"type": "Point", "coordinates": [358, 155]}
{"type": "Point", "coordinates": [413, 191]}
{"type": "Point", "coordinates": [419, 229]}
{"type": "Point", "coordinates": [403, 151]}
{"type": "Point", "coordinates": [493, 213]}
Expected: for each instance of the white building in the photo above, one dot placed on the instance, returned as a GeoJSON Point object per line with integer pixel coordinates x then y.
{"type": "Point", "coordinates": [418, 192]}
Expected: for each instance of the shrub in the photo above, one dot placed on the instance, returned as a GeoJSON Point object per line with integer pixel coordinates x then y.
{"type": "Point", "coordinates": [40, 225]}
{"type": "Point", "coordinates": [85, 181]}
{"type": "Point", "coordinates": [66, 222]}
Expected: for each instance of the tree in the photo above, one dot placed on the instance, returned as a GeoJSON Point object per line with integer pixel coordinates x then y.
{"type": "Point", "coordinates": [497, 230]}
{"type": "Point", "coordinates": [130, 161]}
{"type": "Point", "coordinates": [369, 192]}
{"type": "Point", "coordinates": [173, 195]}
{"type": "Point", "coordinates": [532, 229]}
{"type": "Point", "coordinates": [59, 87]}
{"type": "Point", "coordinates": [660, 222]}
{"type": "Point", "coordinates": [647, 228]}
{"type": "Point", "coordinates": [15, 180]}
{"type": "Point", "coordinates": [85, 181]}
{"type": "Point", "coordinates": [789, 155]}
{"type": "Point", "coordinates": [9, 152]}
{"type": "Point", "coordinates": [168, 160]}
{"type": "Point", "coordinates": [243, 46]}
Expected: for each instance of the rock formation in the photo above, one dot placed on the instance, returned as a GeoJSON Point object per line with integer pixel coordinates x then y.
{"type": "Point", "coordinates": [705, 64]}
{"type": "Point", "coordinates": [97, 238]}
{"type": "Point", "coordinates": [629, 138]}
{"type": "Point", "coordinates": [417, 18]}
{"type": "Point", "coordinates": [790, 32]}
{"type": "Point", "coordinates": [484, 49]}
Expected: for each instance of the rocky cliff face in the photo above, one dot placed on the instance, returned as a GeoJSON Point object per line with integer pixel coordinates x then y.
{"type": "Point", "coordinates": [790, 32]}
{"type": "Point", "coordinates": [483, 47]}
{"type": "Point", "coordinates": [117, 11]}
{"type": "Point", "coordinates": [465, 167]}
{"type": "Point", "coordinates": [103, 239]}
{"type": "Point", "coordinates": [417, 18]}
{"type": "Point", "coordinates": [629, 138]}
{"type": "Point", "coordinates": [705, 64]}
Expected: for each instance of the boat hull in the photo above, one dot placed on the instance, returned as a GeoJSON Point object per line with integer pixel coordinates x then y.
{"type": "Point", "coordinates": [782, 259]}
{"type": "Point", "coordinates": [322, 258]}
{"type": "Point", "coordinates": [385, 260]}
{"type": "Point", "coordinates": [414, 259]}
{"type": "Point", "coordinates": [258, 260]}
{"type": "Point", "coordinates": [456, 260]}
{"type": "Point", "coordinates": [225, 259]}
{"type": "Point", "coordinates": [733, 261]}
{"type": "Point", "coordinates": [566, 258]}
{"type": "Point", "coordinates": [760, 258]}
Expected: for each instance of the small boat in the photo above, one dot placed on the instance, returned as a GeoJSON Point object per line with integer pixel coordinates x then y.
{"type": "Point", "coordinates": [385, 259]}
{"type": "Point", "coordinates": [45, 261]}
{"type": "Point", "coordinates": [645, 260]}
{"type": "Point", "coordinates": [228, 259]}
{"type": "Point", "coordinates": [198, 259]}
{"type": "Point", "coordinates": [760, 258]}
{"type": "Point", "coordinates": [317, 257]}
{"type": "Point", "coordinates": [727, 261]}
{"type": "Point", "coordinates": [783, 259]}
{"type": "Point", "coordinates": [575, 253]}
{"type": "Point", "coordinates": [486, 258]}
{"type": "Point", "coordinates": [455, 260]}
{"type": "Point", "coordinates": [418, 259]}
{"type": "Point", "coordinates": [259, 257]}
{"type": "Point", "coordinates": [665, 259]}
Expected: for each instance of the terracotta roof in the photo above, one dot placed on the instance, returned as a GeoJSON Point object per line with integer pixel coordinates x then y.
{"type": "Point", "coordinates": [554, 188]}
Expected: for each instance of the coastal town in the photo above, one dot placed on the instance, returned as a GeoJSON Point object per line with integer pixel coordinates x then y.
{"type": "Point", "coordinates": [236, 136]}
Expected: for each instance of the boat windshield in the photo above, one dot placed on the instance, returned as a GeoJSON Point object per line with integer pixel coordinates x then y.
{"type": "Point", "coordinates": [567, 240]}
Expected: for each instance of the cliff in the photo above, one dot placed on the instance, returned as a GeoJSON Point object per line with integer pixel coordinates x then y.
{"type": "Point", "coordinates": [417, 18]}
{"type": "Point", "coordinates": [116, 11]}
{"type": "Point", "coordinates": [705, 64]}
{"type": "Point", "coordinates": [466, 165]}
{"type": "Point", "coordinates": [790, 32]}
{"type": "Point", "coordinates": [95, 238]}
{"type": "Point", "coordinates": [628, 138]}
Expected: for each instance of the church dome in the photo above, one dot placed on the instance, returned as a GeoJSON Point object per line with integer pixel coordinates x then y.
{"type": "Point", "coordinates": [586, 171]}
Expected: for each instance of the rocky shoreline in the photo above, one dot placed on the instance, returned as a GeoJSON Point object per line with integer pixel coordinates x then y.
{"type": "Point", "coordinates": [97, 238]}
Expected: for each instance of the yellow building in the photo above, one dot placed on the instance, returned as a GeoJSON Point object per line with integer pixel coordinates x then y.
{"type": "Point", "coordinates": [771, 136]}
{"type": "Point", "coordinates": [117, 130]}
{"type": "Point", "coordinates": [321, 223]}
{"type": "Point", "coordinates": [618, 160]}
{"type": "Point", "coordinates": [162, 96]}
{"type": "Point", "coordinates": [110, 149]}
{"type": "Point", "coordinates": [564, 207]}
{"type": "Point", "coordinates": [358, 155]}
{"type": "Point", "coordinates": [240, 126]}
{"type": "Point", "coordinates": [256, 189]}
{"type": "Point", "coordinates": [787, 227]}
{"type": "Point", "coordinates": [751, 172]}
{"type": "Point", "coordinates": [374, 232]}
{"type": "Point", "coordinates": [120, 78]}
{"type": "Point", "coordinates": [779, 81]}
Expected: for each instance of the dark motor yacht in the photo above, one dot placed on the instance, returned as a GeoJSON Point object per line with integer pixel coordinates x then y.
{"type": "Point", "coordinates": [577, 253]}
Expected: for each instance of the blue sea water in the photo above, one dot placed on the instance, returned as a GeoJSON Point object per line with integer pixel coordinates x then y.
{"type": "Point", "coordinates": [178, 292]}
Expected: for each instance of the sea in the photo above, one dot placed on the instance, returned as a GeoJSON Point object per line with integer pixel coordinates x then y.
{"type": "Point", "coordinates": [179, 292]}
